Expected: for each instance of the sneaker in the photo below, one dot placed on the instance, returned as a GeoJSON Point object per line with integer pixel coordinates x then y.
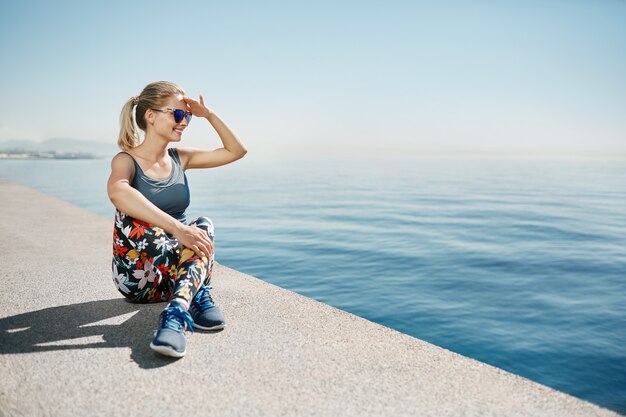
{"type": "Point", "coordinates": [206, 315]}
{"type": "Point", "coordinates": [169, 339]}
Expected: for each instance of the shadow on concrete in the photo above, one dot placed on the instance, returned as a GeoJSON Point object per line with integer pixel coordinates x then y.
{"type": "Point", "coordinates": [91, 325]}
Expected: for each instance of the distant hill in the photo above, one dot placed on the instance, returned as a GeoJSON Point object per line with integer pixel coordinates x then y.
{"type": "Point", "coordinates": [63, 145]}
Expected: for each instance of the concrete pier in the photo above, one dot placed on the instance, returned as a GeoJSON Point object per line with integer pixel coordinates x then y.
{"type": "Point", "coordinates": [70, 345]}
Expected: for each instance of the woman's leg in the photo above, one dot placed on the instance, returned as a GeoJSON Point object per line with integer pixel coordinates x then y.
{"type": "Point", "coordinates": [206, 315]}
{"type": "Point", "coordinates": [191, 273]}
{"type": "Point", "coordinates": [193, 270]}
{"type": "Point", "coordinates": [145, 260]}
{"type": "Point", "coordinates": [150, 266]}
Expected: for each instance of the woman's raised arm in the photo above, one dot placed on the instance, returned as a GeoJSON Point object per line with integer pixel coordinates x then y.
{"type": "Point", "coordinates": [200, 158]}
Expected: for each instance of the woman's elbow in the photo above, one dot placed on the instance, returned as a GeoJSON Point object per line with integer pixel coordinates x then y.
{"type": "Point", "coordinates": [242, 153]}
{"type": "Point", "coordinates": [116, 195]}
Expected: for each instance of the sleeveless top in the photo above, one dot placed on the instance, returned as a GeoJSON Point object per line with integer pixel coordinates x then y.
{"type": "Point", "coordinates": [170, 194]}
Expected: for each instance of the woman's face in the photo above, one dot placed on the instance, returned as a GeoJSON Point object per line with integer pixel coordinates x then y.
{"type": "Point", "coordinates": [164, 123]}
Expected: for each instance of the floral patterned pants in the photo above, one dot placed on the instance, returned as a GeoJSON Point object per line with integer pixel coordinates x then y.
{"type": "Point", "coordinates": [150, 265]}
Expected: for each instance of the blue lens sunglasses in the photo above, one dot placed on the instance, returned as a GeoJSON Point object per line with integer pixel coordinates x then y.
{"type": "Point", "coordinates": [178, 114]}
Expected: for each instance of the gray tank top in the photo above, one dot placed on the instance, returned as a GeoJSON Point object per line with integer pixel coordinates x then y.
{"type": "Point", "coordinates": [170, 194]}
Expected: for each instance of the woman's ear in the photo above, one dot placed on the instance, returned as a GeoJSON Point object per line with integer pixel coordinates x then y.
{"type": "Point", "coordinates": [149, 117]}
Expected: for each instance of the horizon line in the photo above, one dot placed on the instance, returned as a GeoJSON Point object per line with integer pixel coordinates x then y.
{"type": "Point", "coordinates": [397, 151]}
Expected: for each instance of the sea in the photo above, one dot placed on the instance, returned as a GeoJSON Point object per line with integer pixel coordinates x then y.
{"type": "Point", "coordinates": [519, 263]}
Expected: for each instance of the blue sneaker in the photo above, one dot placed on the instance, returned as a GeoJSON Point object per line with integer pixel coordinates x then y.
{"type": "Point", "coordinates": [206, 315]}
{"type": "Point", "coordinates": [169, 339]}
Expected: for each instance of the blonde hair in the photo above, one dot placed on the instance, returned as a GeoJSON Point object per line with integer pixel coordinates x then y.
{"type": "Point", "coordinates": [153, 96]}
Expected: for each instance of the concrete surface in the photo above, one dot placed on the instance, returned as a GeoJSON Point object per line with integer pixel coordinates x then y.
{"type": "Point", "coordinates": [71, 346]}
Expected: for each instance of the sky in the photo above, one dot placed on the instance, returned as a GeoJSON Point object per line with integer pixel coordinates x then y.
{"type": "Point", "coordinates": [526, 77]}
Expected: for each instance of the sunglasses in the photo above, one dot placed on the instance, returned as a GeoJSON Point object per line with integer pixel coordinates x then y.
{"type": "Point", "coordinates": [178, 114]}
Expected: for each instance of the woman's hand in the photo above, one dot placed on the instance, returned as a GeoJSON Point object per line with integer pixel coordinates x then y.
{"type": "Point", "coordinates": [196, 239]}
{"type": "Point", "coordinates": [196, 107]}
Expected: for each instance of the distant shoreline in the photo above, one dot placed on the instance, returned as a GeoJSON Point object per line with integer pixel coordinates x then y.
{"type": "Point", "coordinates": [21, 155]}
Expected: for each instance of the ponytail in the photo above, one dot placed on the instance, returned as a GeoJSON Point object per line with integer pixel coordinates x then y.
{"type": "Point", "coordinates": [129, 137]}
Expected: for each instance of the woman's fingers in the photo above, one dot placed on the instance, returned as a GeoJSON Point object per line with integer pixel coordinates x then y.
{"type": "Point", "coordinates": [192, 104]}
{"type": "Point", "coordinates": [203, 249]}
{"type": "Point", "coordinates": [200, 250]}
{"type": "Point", "coordinates": [197, 107]}
{"type": "Point", "coordinates": [196, 249]}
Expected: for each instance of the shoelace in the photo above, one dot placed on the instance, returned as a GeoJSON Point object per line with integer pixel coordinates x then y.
{"type": "Point", "coordinates": [203, 299]}
{"type": "Point", "coordinates": [176, 318]}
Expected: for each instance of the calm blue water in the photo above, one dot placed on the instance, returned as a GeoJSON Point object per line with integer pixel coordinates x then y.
{"type": "Point", "coordinates": [517, 263]}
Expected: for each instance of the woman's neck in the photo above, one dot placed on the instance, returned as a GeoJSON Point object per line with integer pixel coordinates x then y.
{"type": "Point", "coordinates": [152, 149]}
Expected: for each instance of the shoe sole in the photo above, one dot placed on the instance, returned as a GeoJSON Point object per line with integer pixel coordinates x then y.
{"type": "Point", "coordinates": [217, 327]}
{"type": "Point", "coordinates": [167, 351]}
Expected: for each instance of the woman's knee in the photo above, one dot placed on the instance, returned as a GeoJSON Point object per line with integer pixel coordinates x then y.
{"type": "Point", "coordinates": [206, 224]}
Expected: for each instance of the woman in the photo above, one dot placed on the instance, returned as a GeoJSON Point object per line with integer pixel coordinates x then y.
{"type": "Point", "coordinates": [157, 254]}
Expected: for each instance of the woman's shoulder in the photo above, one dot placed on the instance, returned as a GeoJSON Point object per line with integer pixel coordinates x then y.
{"type": "Point", "coordinates": [123, 161]}
{"type": "Point", "coordinates": [122, 157]}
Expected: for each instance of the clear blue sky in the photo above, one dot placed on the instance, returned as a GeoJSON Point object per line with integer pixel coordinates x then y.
{"type": "Point", "coordinates": [470, 76]}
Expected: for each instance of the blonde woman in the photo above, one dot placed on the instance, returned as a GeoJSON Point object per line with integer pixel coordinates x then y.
{"type": "Point", "coordinates": [158, 254]}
